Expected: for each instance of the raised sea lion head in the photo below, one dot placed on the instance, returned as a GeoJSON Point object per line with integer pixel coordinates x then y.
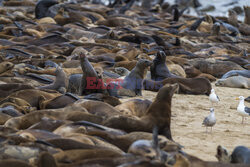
{"type": "Point", "coordinates": [144, 63]}
{"type": "Point", "coordinates": [167, 91]}
{"type": "Point", "coordinates": [222, 154]}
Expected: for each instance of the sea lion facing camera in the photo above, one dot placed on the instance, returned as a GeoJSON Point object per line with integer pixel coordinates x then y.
{"type": "Point", "coordinates": [132, 82]}
{"type": "Point", "coordinates": [159, 69]}
{"type": "Point", "coordinates": [158, 114]}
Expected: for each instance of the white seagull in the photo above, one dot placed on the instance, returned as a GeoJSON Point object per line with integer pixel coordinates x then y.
{"type": "Point", "coordinates": [242, 109]}
{"type": "Point", "coordinates": [210, 120]}
{"type": "Point", "coordinates": [213, 98]}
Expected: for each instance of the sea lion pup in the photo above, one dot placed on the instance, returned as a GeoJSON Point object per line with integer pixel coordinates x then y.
{"type": "Point", "coordinates": [234, 82]}
{"type": "Point", "coordinates": [90, 81]}
{"type": "Point", "coordinates": [244, 73]}
{"type": "Point", "coordinates": [132, 82]}
{"type": "Point", "coordinates": [186, 85]}
{"type": "Point", "coordinates": [7, 89]}
{"type": "Point", "coordinates": [135, 107]}
{"type": "Point", "coordinates": [61, 82]}
{"type": "Point", "coordinates": [240, 154]}
{"type": "Point", "coordinates": [57, 102]}
{"type": "Point", "coordinates": [159, 69]}
{"type": "Point", "coordinates": [158, 114]}
{"type": "Point", "coordinates": [42, 8]}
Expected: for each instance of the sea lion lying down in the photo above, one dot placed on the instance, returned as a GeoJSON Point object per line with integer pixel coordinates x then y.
{"type": "Point", "coordinates": [186, 85]}
{"type": "Point", "coordinates": [234, 82]}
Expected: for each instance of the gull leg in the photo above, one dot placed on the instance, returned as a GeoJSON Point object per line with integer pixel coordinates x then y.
{"type": "Point", "coordinates": [211, 129]}
{"type": "Point", "coordinates": [206, 129]}
{"type": "Point", "coordinates": [242, 120]}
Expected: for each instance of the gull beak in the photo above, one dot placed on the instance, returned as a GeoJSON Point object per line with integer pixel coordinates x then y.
{"type": "Point", "coordinates": [237, 98]}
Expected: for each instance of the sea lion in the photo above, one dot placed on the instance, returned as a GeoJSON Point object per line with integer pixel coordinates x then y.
{"type": "Point", "coordinates": [247, 15]}
{"type": "Point", "coordinates": [214, 67]}
{"type": "Point", "coordinates": [122, 71]}
{"type": "Point", "coordinates": [89, 76]}
{"type": "Point", "coordinates": [240, 155]}
{"type": "Point", "coordinates": [42, 8]}
{"type": "Point", "coordinates": [186, 85]}
{"type": "Point", "coordinates": [132, 83]}
{"type": "Point", "coordinates": [14, 163]}
{"type": "Point", "coordinates": [57, 102]}
{"type": "Point", "coordinates": [159, 69]}
{"type": "Point", "coordinates": [158, 114]}
{"type": "Point", "coordinates": [5, 66]}
{"type": "Point", "coordinates": [244, 73]}
{"type": "Point", "coordinates": [135, 107]}
{"type": "Point", "coordinates": [33, 100]}
{"type": "Point", "coordinates": [234, 82]}
{"type": "Point", "coordinates": [61, 82]}
{"type": "Point", "coordinates": [7, 89]}
{"type": "Point", "coordinates": [193, 72]}
{"type": "Point", "coordinates": [126, 64]}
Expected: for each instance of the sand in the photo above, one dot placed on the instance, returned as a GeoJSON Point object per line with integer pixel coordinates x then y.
{"type": "Point", "coordinates": [188, 112]}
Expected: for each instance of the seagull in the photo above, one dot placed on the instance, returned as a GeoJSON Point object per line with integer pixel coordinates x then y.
{"type": "Point", "coordinates": [242, 109]}
{"type": "Point", "coordinates": [213, 97]}
{"type": "Point", "coordinates": [210, 120]}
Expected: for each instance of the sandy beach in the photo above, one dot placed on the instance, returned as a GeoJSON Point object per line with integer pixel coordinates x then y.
{"type": "Point", "coordinates": [188, 112]}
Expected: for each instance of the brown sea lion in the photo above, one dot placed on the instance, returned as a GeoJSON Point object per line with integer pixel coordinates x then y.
{"type": "Point", "coordinates": [5, 66]}
{"type": "Point", "coordinates": [186, 85]}
{"type": "Point", "coordinates": [159, 69]}
{"type": "Point", "coordinates": [158, 114]}
{"type": "Point", "coordinates": [214, 67]}
{"type": "Point", "coordinates": [135, 107]}
{"type": "Point", "coordinates": [193, 72]}
{"type": "Point", "coordinates": [80, 154]}
{"type": "Point", "coordinates": [247, 15]}
{"type": "Point", "coordinates": [113, 101]}
{"type": "Point", "coordinates": [126, 64]}
{"type": "Point", "coordinates": [7, 89]}
{"type": "Point", "coordinates": [14, 163]}
{"type": "Point", "coordinates": [46, 159]}
{"type": "Point", "coordinates": [34, 99]}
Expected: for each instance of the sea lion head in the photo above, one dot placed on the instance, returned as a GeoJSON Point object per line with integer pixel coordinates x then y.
{"type": "Point", "coordinates": [167, 91]}
{"type": "Point", "coordinates": [222, 154]}
{"type": "Point", "coordinates": [144, 63]}
{"type": "Point", "coordinates": [160, 56]}
{"type": "Point", "coordinates": [5, 66]}
{"type": "Point", "coordinates": [220, 82]}
{"type": "Point", "coordinates": [143, 148]}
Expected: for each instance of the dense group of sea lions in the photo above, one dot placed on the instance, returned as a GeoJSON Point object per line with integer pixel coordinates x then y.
{"type": "Point", "coordinates": [65, 65]}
